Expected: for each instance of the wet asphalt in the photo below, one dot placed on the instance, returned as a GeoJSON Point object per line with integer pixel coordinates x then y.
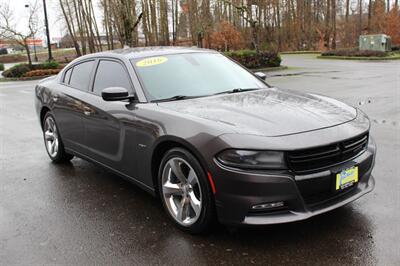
{"type": "Point", "coordinates": [80, 214]}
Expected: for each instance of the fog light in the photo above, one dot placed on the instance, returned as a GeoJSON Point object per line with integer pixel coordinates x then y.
{"type": "Point", "coordinates": [270, 205]}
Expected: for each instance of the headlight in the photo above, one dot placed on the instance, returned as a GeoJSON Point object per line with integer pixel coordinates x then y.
{"type": "Point", "coordinates": [253, 159]}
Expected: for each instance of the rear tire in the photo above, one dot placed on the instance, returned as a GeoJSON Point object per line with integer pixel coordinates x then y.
{"type": "Point", "coordinates": [52, 140]}
{"type": "Point", "coordinates": [185, 192]}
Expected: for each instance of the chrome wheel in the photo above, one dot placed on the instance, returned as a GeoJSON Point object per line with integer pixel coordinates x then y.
{"type": "Point", "coordinates": [51, 136]}
{"type": "Point", "coordinates": [181, 191]}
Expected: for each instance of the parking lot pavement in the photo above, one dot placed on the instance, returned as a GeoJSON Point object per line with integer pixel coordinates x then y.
{"type": "Point", "coordinates": [79, 214]}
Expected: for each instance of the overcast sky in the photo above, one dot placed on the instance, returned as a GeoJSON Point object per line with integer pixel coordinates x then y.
{"type": "Point", "coordinates": [56, 22]}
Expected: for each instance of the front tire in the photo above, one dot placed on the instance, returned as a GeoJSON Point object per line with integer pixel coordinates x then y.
{"type": "Point", "coordinates": [52, 140]}
{"type": "Point", "coordinates": [185, 192]}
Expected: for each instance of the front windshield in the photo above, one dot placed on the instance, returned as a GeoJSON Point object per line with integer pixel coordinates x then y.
{"type": "Point", "coordinates": [192, 75]}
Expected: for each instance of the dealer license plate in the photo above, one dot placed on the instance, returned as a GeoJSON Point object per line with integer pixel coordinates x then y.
{"type": "Point", "coordinates": [347, 178]}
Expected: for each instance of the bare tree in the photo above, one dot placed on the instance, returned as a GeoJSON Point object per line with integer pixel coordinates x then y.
{"type": "Point", "coordinates": [270, 24]}
{"type": "Point", "coordinates": [360, 14]}
{"type": "Point", "coordinates": [347, 26]}
{"type": "Point", "coordinates": [246, 14]}
{"type": "Point", "coordinates": [70, 25]}
{"type": "Point", "coordinates": [369, 14]}
{"type": "Point", "coordinates": [333, 12]}
{"type": "Point", "coordinates": [8, 26]}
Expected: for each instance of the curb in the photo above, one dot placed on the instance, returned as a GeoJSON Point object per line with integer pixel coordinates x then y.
{"type": "Point", "coordinates": [24, 78]}
{"type": "Point", "coordinates": [359, 58]}
{"type": "Point", "coordinates": [269, 69]}
{"type": "Point", "coordinates": [301, 52]}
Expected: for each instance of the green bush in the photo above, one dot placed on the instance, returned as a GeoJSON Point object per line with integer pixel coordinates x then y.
{"type": "Point", "coordinates": [250, 59]}
{"type": "Point", "coordinates": [48, 65]}
{"type": "Point", "coordinates": [395, 48]}
{"type": "Point", "coordinates": [355, 53]}
{"type": "Point", "coordinates": [16, 71]}
{"type": "Point", "coordinates": [1, 67]}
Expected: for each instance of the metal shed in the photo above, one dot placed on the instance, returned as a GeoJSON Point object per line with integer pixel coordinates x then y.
{"type": "Point", "coordinates": [376, 42]}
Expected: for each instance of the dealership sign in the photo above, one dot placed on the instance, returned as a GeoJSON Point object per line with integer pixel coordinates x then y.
{"type": "Point", "coordinates": [36, 42]}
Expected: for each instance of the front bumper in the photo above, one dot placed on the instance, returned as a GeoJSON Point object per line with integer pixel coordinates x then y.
{"type": "Point", "coordinates": [304, 196]}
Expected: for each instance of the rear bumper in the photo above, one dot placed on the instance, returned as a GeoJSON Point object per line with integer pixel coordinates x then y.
{"type": "Point", "coordinates": [238, 191]}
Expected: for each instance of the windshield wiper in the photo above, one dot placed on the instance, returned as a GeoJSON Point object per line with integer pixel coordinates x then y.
{"type": "Point", "coordinates": [236, 91]}
{"type": "Point", "coordinates": [175, 98]}
{"type": "Point", "coordinates": [184, 97]}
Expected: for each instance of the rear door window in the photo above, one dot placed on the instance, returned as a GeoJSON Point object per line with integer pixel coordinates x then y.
{"type": "Point", "coordinates": [81, 74]}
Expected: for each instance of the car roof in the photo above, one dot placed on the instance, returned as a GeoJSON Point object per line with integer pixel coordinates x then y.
{"type": "Point", "coordinates": [139, 52]}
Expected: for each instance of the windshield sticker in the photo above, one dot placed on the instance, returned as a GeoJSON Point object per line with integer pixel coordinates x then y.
{"type": "Point", "coordinates": [152, 61]}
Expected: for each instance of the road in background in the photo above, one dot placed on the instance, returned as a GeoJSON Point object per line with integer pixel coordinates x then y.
{"type": "Point", "coordinates": [81, 214]}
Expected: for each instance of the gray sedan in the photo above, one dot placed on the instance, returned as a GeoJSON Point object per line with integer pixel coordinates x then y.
{"type": "Point", "coordinates": [211, 139]}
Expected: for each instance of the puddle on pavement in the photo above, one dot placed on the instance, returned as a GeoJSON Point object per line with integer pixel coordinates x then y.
{"type": "Point", "coordinates": [368, 101]}
{"type": "Point", "coordinates": [303, 73]}
{"type": "Point", "coordinates": [320, 74]}
{"type": "Point", "coordinates": [385, 122]}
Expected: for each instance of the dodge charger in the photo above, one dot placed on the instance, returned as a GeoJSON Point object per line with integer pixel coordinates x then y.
{"type": "Point", "coordinates": [211, 139]}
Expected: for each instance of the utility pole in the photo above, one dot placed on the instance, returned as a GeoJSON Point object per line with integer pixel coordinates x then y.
{"type": "Point", "coordinates": [46, 23]}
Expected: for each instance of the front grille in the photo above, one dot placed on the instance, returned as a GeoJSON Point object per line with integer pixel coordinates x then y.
{"type": "Point", "coordinates": [308, 160]}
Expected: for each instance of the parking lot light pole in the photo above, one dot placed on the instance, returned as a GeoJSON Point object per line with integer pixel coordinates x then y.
{"type": "Point", "coordinates": [46, 23]}
{"type": "Point", "coordinates": [34, 42]}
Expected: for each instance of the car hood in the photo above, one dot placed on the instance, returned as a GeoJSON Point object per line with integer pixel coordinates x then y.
{"type": "Point", "coordinates": [267, 112]}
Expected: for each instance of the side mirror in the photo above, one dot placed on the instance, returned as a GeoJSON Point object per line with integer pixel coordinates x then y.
{"type": "Point", "coordinates": [115, 94]}
{"type": "Point", "coordinates": [261, 75]}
